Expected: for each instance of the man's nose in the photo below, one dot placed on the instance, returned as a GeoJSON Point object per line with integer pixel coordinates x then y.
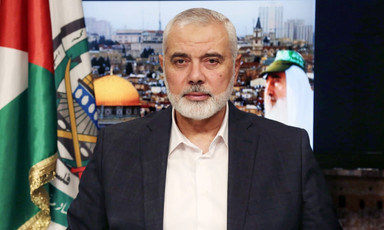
{"type": "Point", "coordinates": [270, 88]}
{"type": "Point", "coordinates": [196, 75]}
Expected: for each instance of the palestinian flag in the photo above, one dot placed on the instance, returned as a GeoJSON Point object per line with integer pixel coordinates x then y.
{"type": "Point", "coordinates": [27, 114]}
{"type": "Point", "coordinates": [48, 116]}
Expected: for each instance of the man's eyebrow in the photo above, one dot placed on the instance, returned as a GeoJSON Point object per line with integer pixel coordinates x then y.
{"type": "Point", "coordinates": [215, 54]}
{"type": "Point", "coordinates": [274, 75]}
{"type": "Point", "coordinates": [207, 55]}
{"type": "Point", "coordinates": [178, 55]}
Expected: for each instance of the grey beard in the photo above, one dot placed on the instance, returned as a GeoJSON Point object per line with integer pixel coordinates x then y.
{"type": "Point", "coordinates": [277, 112]}
{"type": "Point", "coordinates": [199, 110]}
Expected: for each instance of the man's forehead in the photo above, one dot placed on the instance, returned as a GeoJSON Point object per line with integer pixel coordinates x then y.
{"type": "Point", "coordinates": [194, 38]}
{"type": "Point", "coordinates": [198, 32]}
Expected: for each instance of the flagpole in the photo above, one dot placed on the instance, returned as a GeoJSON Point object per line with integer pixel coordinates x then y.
{"type": "Point", "coordinates": [72, 117]}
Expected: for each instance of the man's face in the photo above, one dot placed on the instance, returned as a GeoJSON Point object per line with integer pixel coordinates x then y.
{"type": "Point", "coordinates": [199, 69]}
{"type": "Point", "coordinates": [275, 87]}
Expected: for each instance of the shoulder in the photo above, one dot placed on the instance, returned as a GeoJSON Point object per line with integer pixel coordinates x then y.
{"type": "Point", "coordinates": [126, 139]}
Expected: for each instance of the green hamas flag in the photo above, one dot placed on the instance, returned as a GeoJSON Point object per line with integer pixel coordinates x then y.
{"type": "Point", "coordinates": [27, 114]}
{"type": "Point", "coordinates": [76, 108]}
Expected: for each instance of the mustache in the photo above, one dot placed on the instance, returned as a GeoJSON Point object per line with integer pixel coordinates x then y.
{"type": "Point", "coordinates": [196, 89]}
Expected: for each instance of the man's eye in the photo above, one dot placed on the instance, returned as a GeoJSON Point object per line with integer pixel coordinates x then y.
{"type": "Point", "coordinates": [213, 61]}
{"type": "Point", "coordinates": [179, 61]}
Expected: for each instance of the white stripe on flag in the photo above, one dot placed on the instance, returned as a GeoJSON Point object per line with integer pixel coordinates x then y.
{"type": "Point", "coordinates": [13, 74]}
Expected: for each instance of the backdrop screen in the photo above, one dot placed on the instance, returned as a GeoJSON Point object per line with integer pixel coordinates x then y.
{"type": "Point", "coordinates": [125, 38]}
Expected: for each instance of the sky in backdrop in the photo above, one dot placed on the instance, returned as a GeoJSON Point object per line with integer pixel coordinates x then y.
{"type": "Point", "coordinates": [146, 14]}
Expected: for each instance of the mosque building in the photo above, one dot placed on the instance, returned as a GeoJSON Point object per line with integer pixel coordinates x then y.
{"type": "Point", "coordinates": [117, 100]}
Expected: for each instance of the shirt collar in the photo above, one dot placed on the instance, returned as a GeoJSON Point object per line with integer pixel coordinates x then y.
{"type": "Point", "coordinates": [178, 138]}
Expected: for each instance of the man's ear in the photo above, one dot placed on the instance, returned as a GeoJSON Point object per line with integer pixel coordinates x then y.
{"type": "Point", "coordinates": [161, 60]}
{"type": "Point", "coordinates": [237, 65]}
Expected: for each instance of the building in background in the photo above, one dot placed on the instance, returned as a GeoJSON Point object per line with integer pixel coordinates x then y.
{"type": "Point", "coordinates": [272, 19]}
{"type": "Point", "coordinates": [99, 27]}
{"type": "Point", "coordinates": [135, 41]}
{"type": "Point", "coordinates": [297, 30]}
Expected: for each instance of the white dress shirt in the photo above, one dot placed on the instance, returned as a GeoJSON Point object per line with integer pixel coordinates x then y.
{"type": "Point", "coordinates": [196, 183]}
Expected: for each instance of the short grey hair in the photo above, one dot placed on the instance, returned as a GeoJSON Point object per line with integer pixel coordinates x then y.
{"type": "Point", "coordinates": [204, 17]}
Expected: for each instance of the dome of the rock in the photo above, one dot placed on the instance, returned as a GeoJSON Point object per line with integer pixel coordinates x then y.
{"type": "Point", "coordinates": [112, 90]}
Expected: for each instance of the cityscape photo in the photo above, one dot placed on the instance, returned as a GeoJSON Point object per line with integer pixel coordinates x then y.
{"type": "Point", "coordinates": [125, 39]}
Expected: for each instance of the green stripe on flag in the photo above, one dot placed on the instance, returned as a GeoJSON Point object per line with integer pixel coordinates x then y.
{"type": "Point", "coordinates": [78, 49]}
{"type": "Point", "coordinates": [16, 205]}
{"type": "Point", "coordinates": [43, 117]}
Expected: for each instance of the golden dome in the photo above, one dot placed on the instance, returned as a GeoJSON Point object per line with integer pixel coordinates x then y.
{"type": "Point", "coordinates": [112, 90]}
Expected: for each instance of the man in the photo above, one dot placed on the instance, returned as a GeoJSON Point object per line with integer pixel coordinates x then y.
{"type": "Point", "coordinates": [288, 97]}
{"type": "Point", "coordinates": [202, 164]}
